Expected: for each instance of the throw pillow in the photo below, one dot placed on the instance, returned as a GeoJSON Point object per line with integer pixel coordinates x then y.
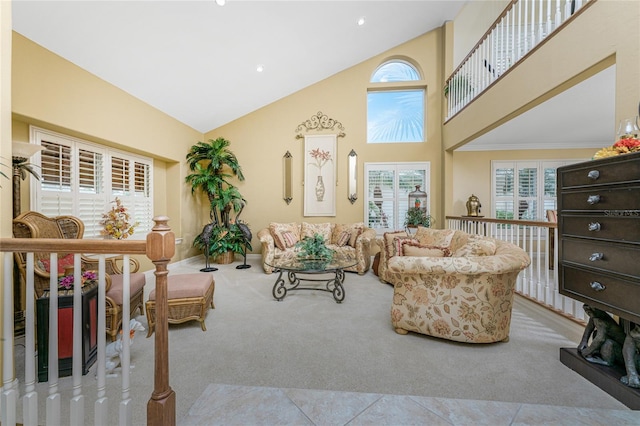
{"type": "Point", "coordinates": [434, 237]}
{"type": "Point", "coordinates": [398, 242]}
{"type": "Point", "coordinates": [338, 229]}
{"type": "Point", "coordinates": [388, 238]}
{"type": "Point", "coordinates": [357, 229]}
{"type": "Point", "coordinates": [311, 229]}
{"type": "Point", "coordinates": [289, 239]}
{"type": "Point", "coordinates": [63, 263]}
{"type": "Point", "coordinates": [277, 229]}
{"type": "Point", "coordinates": [343, 239]}
{"type": "Point", "coordinates": [412, 247]}
{"type": "Point", "coordinates": [476, 246]}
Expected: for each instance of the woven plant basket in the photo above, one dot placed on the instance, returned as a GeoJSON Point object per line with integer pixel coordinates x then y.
{"type": "Point", "coordinates": [224, 258]}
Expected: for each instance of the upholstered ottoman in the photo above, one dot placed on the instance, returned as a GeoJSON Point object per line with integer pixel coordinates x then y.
{"type": "Point", "coordinates": [189, 296]}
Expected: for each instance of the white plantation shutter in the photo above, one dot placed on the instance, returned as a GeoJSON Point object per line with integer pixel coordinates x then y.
{"type": "Point", "coordinates": [82, 179]}
{"type": "Point", "coordinates": [91, 188]}
{"type": "Point", "coordinates": [527, 182]}
{"type": "Point", "coordinates": [141, 208]}
{"type": "Point", "coordinates": [524, 189]}
{"type": "Point", "coordinates": [56, 196]}
{"type": "Point", "coordinates": [387, 187]}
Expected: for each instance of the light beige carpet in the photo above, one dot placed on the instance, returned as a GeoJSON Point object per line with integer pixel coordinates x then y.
{"type": "Point", "coordinates": [308, 341]}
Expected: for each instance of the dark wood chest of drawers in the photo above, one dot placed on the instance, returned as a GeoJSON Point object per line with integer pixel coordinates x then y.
{"type": "Point", "coordinates": [599, 232]}
{"type": "Point", "coordinates": [599, 251]}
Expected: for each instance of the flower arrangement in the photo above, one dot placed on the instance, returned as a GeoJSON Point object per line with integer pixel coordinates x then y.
{"type": "Point", "coordinates": [117, 222]}
{"type": "Point", "coordinates": [321, 158]}
{"type": "Point", "coordinates": [66, 282]}
{"type": "Point", "coordinates": [623, 146]}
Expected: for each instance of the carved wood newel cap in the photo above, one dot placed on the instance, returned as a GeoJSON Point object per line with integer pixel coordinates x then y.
{"type": "Point", "coordinates": [161, 241]}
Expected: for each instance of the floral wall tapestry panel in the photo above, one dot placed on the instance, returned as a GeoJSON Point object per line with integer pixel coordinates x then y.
{"type": "Point", "coordinates": [320, 175]}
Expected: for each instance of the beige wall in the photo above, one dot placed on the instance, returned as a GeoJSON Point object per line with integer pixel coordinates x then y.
{"type": "Point", "coordinates": [472, 172]}
{"type": "Point", "coordinates": [52, 93]}
{"type": "Point", "coordinates": [261, 138]}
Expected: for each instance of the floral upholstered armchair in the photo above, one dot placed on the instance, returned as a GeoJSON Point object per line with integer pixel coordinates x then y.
{"type": "Point", "coordinates": [451, 284]}
{"type": "Point", "coordinates": [353, 240]}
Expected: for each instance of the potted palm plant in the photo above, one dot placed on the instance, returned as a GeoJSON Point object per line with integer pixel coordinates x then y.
{"type": "Point", "coordinates": [212, 164]}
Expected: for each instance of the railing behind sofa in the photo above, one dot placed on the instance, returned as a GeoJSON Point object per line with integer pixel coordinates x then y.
{"type": "Point", "coordinates": [523, 25]}
{"type": "Point", "coordinates": [159, 247]}
{"type": "Point", "coordinates": [539, 282]}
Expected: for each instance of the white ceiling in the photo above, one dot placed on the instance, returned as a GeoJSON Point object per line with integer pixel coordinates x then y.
{"type": "Point", "coordinates": [196, 61]}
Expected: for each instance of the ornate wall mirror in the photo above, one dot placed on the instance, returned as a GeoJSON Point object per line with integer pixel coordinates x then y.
{"type": "Point", "coordinates": [352, 178]}
{"type": "Point", "coordinates": [287, 164]}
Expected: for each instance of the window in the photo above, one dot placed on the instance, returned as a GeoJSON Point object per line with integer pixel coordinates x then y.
{"type": "Point", "coordinates": [82, 179]}
{"type": "Point", "coordinates": [524, 189]}
{"type": "Point", "coordinates": [395, 113]}
{"type": "Point", "coordinates": [387, 188]}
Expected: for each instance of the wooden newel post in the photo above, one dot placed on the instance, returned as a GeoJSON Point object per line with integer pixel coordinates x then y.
{"type": "Point", "coordinates": [161, 246]}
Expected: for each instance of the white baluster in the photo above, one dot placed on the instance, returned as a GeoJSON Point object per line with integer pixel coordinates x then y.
{"type": "Point", "coordinates": [548, 18]}
{"type": "Point", "coordinates": [126, 403]}
{"type": "Point", "coordinates": [76, 405]}
{"type": "Point", "coordinates": [558, 13]}
{"type": "Point", "coordinates": [30, 398]}
{"type": "Point", "coordinates": [525, 29]}
{"type": "Point", "coordinates": [53, 400]}
{"type": "Point", "coordinates": [9, 392]}
{"type": "Point", "coordinates": [101, 415]}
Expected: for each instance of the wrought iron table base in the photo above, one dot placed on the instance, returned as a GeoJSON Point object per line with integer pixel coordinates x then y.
{"type": "Point", "coordinates": [332, 285]}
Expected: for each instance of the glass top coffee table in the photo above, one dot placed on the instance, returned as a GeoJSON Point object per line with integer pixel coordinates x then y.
{"type": "Point", "coordinates": [295, 267]}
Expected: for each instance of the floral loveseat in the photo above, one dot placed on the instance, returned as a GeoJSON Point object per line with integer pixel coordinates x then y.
{"type": "Point", "coordinates": [451, 284]}
{"type": "Point", "coordinates": [279, 239]}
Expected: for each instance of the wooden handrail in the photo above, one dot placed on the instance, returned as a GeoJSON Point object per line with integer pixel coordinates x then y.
{"type": "Point", "coordinates": [50, 245]}
{"type": "Point", "coordinates": [540, 223]}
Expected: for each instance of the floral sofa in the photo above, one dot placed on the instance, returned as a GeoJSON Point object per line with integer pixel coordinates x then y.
{"type": "Point", "coordinates": [279, 240]}
{"type": "Point", "coordinates": [451, 284]}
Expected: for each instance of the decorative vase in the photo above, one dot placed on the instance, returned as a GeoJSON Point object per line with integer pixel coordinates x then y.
{"type": "Point", "coordinates": [319, 189]}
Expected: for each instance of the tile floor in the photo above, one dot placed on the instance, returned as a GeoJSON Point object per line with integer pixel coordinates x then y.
{"type": "Point", "coordinates": [248, 405]}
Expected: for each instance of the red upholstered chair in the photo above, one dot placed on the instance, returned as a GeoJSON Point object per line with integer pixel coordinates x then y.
{"type": "Point", "coordinates": [35, 225]}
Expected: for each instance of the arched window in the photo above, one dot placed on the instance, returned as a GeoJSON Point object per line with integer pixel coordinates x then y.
{"type": "Point", "coordinates": [396, 113]}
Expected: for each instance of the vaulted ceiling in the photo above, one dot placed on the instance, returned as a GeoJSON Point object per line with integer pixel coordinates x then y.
{"type": "Point", "coordinates": [197, 61]}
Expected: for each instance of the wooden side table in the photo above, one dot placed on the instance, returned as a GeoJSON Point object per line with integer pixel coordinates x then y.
{"type": "Point", "coordinates": [65, 331]}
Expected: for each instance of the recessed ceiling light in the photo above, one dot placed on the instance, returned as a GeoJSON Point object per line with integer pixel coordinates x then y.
{"type": "Point", "coordinates": [260, 68]}
{"type": "Point", "coordinates": [361, 21]}
{"type": "Point", "coordinates": [221, 2]}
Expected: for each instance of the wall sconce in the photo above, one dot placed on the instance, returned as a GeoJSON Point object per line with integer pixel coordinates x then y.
{"type": "Point", "coordinates": [353, 176]}
{"type": "Point", "coordinates": [20, 154]}
{"type": "Point", "coordinates": [287, 164]}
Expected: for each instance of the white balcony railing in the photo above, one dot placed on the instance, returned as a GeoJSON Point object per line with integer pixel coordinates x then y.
{"type": "Point", "coordinates": [523, 25]}
{"type": "Point", "coordinates": [539, 281]}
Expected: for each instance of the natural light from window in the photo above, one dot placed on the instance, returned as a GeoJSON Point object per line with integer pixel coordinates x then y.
{"type": "Point", "coordinates": [395, 114]}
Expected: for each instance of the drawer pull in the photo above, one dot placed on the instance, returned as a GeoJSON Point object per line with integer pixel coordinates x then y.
{"type": "Point", "coordinates": [594, 226]}
{"type": "Point", "coordinates": [593, 174]}
{"type": "Point", "coordinates": [596, 256]}
{"type": "Point", "coordinates": [597, 286]}
{"type": "Point", "coordinates": [593, 199]}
